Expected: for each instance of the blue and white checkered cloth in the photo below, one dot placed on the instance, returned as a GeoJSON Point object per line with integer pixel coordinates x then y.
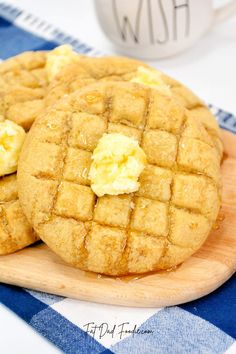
{"type": "Point", "coordinates": [207, 325]}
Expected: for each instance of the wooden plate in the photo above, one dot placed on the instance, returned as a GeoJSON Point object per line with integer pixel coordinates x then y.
{"type": "Point", "coordinates": [38, 268]}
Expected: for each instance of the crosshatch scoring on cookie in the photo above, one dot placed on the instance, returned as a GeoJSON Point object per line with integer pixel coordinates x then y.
{"type": "Point", "coordinates": [90, 70]}
{"type": "Point", "coordinates": [157, 227]}
{"type": "Point", "coordinates": [23, 86]}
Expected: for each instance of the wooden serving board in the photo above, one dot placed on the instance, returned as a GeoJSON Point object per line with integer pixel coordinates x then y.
{"type": "Point", "coordinates": [39, 268]}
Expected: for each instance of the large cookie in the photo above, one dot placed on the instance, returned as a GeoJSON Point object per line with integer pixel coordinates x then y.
{"type": "Point", "coordinates": [89, 70]}
{"type": "Point", "coordinates": [23, 85]}
{"type": "Point", "coordinates": [157, 227]}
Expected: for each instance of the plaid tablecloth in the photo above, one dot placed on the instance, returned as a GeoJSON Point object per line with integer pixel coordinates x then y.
{"type": "Point", "coordinates": [207, 325]}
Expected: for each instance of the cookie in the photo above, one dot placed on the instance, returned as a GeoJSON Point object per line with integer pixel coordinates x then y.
{"type": "Point", "coordinates": [15, 231]}
{"type": "Point", "coordinates": [89, 70]}
{"type": "Point", "coordinates": [23, 84]}
{"type": "Point", "coordinates": [24, 80]}
{"type": "Point", "coordinates": [22, 89]}
{"type": "Point", "coordinates": [157, 227]}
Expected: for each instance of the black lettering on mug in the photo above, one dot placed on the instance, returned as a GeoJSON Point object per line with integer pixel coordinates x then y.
{"type": "Point", "coordinates": [151, 32]}
{"type": "Point", "coordinates": [165, 24]}
{"type": "Point", "coordinates": [181, 5]}
{"type": "Point", "coordinates": [124, 26]}
{"type": "Point", "coordinates": [129, 27]}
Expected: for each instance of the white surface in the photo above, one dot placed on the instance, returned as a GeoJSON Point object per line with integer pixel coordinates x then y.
{"type": "Point", "coordinates": [208, 68]}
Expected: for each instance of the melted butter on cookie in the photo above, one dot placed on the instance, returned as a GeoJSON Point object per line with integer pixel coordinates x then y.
{"type": "Point", "coordinates": [58, 58]}
{"type": "Point", "coordinates": [151, 78]}
{"type": "Point", "coordinates": [12, 137]}
{"type": "Point", "coordinates": [117, 163]}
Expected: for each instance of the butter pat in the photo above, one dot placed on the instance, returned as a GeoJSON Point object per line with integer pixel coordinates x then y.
{"type": "Point", "coordinates": [58, 58]}
{"type": "Point", "coordinates": [151, 78]}
{"type": "Point", "coordinates": [117, 163]}
{"type": "Point", "coordinates": [12, 137]}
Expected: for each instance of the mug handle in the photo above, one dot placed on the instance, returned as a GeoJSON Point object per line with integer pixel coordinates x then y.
{"type": "Point", "coordinates": [225, 11]}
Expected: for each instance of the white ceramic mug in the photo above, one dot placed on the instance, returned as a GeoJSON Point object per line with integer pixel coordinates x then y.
{"type": "Point", "coordinates": [158, 28]}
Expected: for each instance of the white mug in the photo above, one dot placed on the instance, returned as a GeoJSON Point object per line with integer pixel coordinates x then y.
{"type": "Point", "coordinates": [153, 29]}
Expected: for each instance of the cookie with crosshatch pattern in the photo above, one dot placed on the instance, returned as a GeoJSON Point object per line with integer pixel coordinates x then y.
{"type": "Point", "coordinates": [22, 89]}
{"type": "Point", "coordinates": [157, 227]}
{"type": "Point", "coordinates": [15, 231]}
{"type": "Point", "coordinates": [24, 80]}
{"type": "Point", "coordinates": [89, 70]}
{"type": "Point", "coordinates": [23, 85]}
